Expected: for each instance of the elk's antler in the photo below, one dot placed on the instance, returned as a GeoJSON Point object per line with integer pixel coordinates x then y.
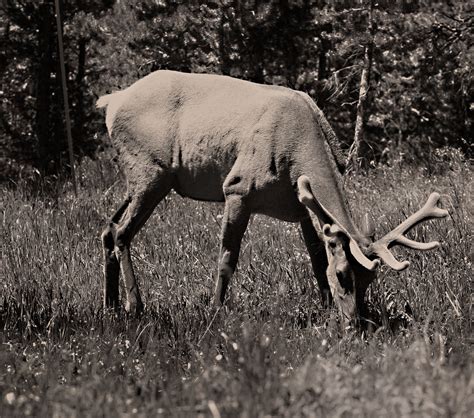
{"type": "Point", "coordinates": [380, 248]}
{"type": "Point", "coordinates": [307, 197]}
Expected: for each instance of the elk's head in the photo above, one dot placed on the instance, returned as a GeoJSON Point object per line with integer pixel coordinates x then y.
{"type": "Point", "coordinates": [354, 258]}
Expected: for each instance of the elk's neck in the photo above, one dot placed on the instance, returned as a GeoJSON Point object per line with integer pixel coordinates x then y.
{"type": "Point", "coordinates": [318, 164]}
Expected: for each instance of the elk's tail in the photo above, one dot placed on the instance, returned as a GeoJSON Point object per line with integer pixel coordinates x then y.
{"type": "Point", "coordinates": [112, 102]}
{"type": "Point", "coordinates": [103, 101]}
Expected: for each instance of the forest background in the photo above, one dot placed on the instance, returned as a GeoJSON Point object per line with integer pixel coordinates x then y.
{"type": "Point", "coordinates": [420, 91]}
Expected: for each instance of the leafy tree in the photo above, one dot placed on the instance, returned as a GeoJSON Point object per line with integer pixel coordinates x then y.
{"type": "Point", "coordinates": [420, 89]}
{"type": "Point", "coordinates": [32, 113]}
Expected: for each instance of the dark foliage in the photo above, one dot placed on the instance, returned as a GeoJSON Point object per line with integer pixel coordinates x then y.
{"type": "Point", "coordinates": [420, 91]}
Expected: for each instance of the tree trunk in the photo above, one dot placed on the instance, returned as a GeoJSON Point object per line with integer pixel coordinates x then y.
{"type": "Point", "coordinates": [223, 44]}
{"type": "Point", "coordinates": [59, 26]}
{"type": "Point", "coordinates": [257, 58]}
{"type": "Point", "coordinates": [43, 88]}
{"type": "Point", "coordinates": [322, 61]}
{"type": "Point", "coordinates": [363, 95]}
{"type": "Point", "coordinates": [5, 40]}
{"type": "Point", "coordinates": [288, 43]}
{"type": "Point", "coordinates": [79, 109]}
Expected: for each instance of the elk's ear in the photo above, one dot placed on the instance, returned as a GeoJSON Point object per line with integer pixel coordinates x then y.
{"type": "Point", "coordinates": [332, 226]}
{"type": "Point", "coordinates": [330, 231]}
{"type": "Point", "coordinates": [368, 226]}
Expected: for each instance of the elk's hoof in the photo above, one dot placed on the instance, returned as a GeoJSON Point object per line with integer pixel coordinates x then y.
{"type": "Point", "coordinates": [217, 302]}
{"type": "Point", "coordinates": [134, 307]}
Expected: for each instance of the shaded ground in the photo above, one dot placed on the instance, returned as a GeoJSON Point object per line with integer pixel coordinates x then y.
{"type": "Point", "coordinates": [273, 352]}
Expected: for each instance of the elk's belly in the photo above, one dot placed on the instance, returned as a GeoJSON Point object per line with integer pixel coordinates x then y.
{"type": "Point", "coordinates": [201, 164]}
{"type": "Point", "coordinates": [278, 200]}
{"type": "Point", "coordinates": [204, 173]}
{"type": "Point", "coordinates": [201, 182]}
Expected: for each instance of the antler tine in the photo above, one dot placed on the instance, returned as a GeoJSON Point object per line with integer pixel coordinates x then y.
{"type": "Point", "coordinates": [430, 210]}
{"type": "Point", "coordinates": [307, 197]}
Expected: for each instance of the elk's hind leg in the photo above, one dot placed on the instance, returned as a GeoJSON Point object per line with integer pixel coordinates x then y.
{"type": "Point", "coordinates": [143, 200]}
{"type": "Point", "coordinates": [234, 224]}
{"type": "Point", "coordinates": [111, 263]}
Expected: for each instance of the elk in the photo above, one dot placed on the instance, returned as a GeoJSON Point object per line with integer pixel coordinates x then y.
{"type": "Point", "coordinates": [260, 149]}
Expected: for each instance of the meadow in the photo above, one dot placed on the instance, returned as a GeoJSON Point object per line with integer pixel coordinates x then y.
{"type": "Point", "coordinates": [273, 350]}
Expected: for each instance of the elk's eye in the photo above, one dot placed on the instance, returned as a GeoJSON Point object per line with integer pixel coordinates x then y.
{"type": "Point", "coordinates": [332, 244]}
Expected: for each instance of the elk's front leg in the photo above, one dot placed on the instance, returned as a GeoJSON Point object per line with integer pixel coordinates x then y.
{"type": "Point", "coordinates": [234, 224]}
{"type": "Point", "coordinates": [319, 260]}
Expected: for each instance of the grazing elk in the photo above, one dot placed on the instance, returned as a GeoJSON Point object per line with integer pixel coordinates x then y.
{"type": "Point", "coordinates": [258, 148]}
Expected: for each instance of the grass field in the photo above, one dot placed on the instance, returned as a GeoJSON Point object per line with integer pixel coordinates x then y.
{"type": "Point", "coordinates": [272, 352]}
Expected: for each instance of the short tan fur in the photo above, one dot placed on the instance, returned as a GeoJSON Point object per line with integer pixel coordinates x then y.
{"type": "Point", "coordinates": [258, 148]}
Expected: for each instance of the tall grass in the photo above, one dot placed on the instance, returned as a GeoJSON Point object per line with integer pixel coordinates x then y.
{"type": "Point", "coordinates": [272, 352]}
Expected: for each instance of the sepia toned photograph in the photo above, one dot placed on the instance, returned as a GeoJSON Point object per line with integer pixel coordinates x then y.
{"type": "Point", "coordinates": [236, 208]}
